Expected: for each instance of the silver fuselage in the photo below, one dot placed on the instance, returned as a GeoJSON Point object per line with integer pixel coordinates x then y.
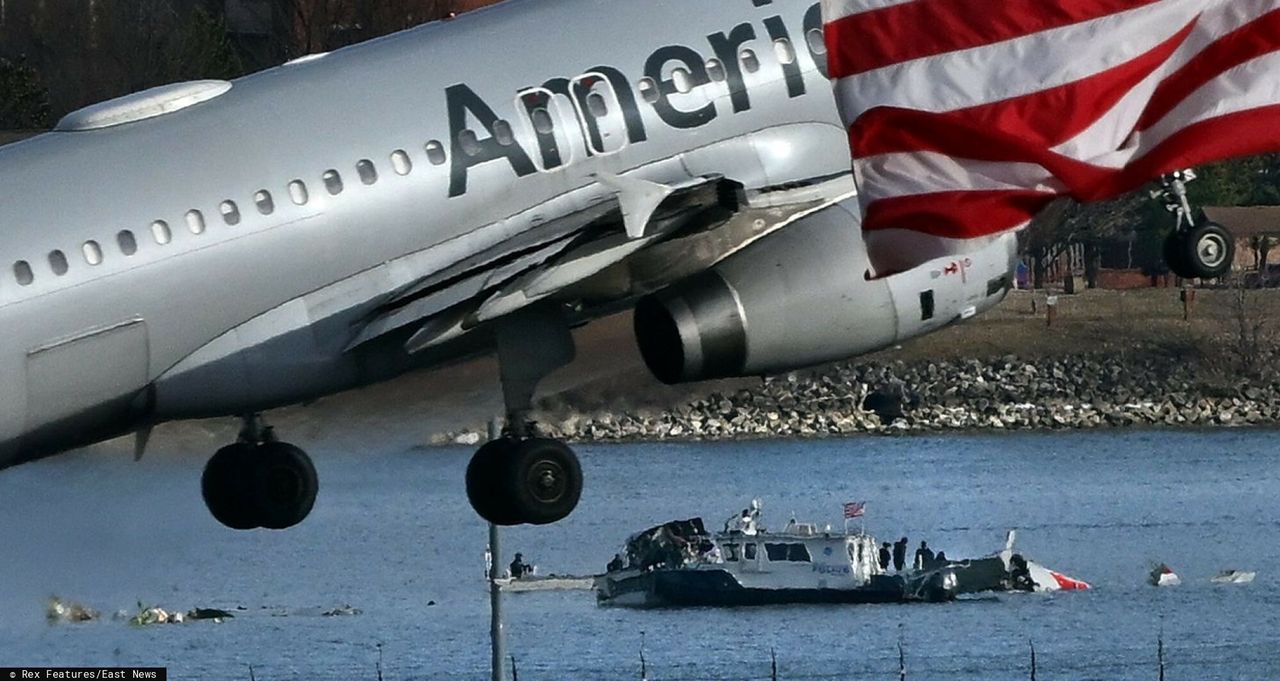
{"type": "Point", "coordinates": [208, 318]}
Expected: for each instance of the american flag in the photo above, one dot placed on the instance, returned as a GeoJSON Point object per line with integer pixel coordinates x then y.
{"type": "Point", "coordinates": [855, 509]}
{"type": "Point", "coordinates": [968, 117]}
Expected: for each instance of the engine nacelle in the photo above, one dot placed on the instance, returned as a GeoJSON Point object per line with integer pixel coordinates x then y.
{"type": "Point", "coordinates": [801, 297]}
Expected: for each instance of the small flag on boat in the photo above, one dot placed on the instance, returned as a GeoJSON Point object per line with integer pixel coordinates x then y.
{"type": "Point", "coordinates": [855, 509]}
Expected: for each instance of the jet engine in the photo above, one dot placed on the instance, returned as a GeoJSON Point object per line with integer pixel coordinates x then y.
{"type": "Point", "coordinates": [803, 296]}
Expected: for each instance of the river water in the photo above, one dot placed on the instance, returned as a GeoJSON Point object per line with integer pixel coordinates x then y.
{"type": "Point", "coordinates": [392, 533]}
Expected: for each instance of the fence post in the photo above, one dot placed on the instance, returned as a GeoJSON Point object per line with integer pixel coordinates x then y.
{"type": "Point", "coordinates": [515, 674]}
{"type": "Point", "coordinates": [1160, 654]}
{"type": "Point", "coordinates": [644, 666]}
{"type": "Point", "coordinates": [251, 676]}
{"type": "Point", "coordinates": [1033, 660]}
{"type": "Point", "coordinates": [902, 663]}
{"type": "Point", "coordinates": [379, 660]}
{"type": "Point", "coordinates": [773, 669]}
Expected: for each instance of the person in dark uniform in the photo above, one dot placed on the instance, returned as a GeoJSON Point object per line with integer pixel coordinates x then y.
{"type": "Point", "coordinates": [617, 564]}
{"type": "Point", "coordinates": [900, 554]}
{"type": "Point", "coordinates": [1020, 574]}
{"type": "Point", "coordinates": [885, 557]}
{"type": "Point", "coordinates": [924, 556]}
{"type": "Point", "coordinates": [518, 568]}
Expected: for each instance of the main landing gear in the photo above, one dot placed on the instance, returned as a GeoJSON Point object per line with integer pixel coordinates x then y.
{"type": "Point", "coordinates": [259, 481]}
{"type": "Point", "coordinates": [521, 478]}
{"type": "Point", "coordinates": [1193, 251]}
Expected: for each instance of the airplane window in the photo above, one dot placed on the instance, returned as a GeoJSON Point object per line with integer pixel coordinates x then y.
{"type": "Point", "coordinates": [683, 80]}
{"type": "Point", "coordinates": [333, 182]}
{"type": "Point", "coordinates": [648, 90]}
{"type": "Point", "coordinates": [367, 172]}
{"type": "Point", "coordinates": [715, 69]}
{"type": "Point", "coordinates": [266, 204]}
{"type": "Point", "coordinates": [160, 230]}
{"type": "Point", "coordinates": [436, 153]}
{"type": "Point", "coordinates": [542, 121]}
{"type": "Point", "coordinates": [22, 272]}
{"type": "Point", "coordinates": [750, 62]}
{"type": "Point", "coordinates": [502, 132]}
{"type": "Point", "coordinates": [470, 142]}
{"type": "Point", "coordinates": [785, 51]}
{"type": "Point", "coordinates": [230, 213]}
{"type": "Point", "coordinates": [195, 221]}
{"type": "Point", "coordinates": [92, 252]}
{"type": "Point", "coordinates": [400, 162]}
{"type": "Point", "coordinates": [817, 41]}
{"type": "Point", "coordinates": [298, 192]}
{"type": "Point", "coordinates": [58, 262]}
{"type": "Point", "coordinates": [597, 105]}
{"type": "Point", "coordinates": [128, 245]}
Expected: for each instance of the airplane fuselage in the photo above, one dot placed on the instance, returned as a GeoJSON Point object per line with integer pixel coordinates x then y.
{"type": "Point", "coordinates": [217, 259]}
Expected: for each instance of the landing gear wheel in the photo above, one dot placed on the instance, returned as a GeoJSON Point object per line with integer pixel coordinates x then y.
{"type": "Point", "coordinates": [1205, 252]}
{"type": "Point", "coordinates": [544, 480]}
{"type": "Point", "coordinates": [227, 487]}
{"type": "Point", "coordinates": [484, 490]}
{"type": "Point", "coordinates": [285, 485]}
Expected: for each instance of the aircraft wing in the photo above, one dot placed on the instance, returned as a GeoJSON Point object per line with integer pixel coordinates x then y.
{"type": "Point", "coordinates": [596, 259]}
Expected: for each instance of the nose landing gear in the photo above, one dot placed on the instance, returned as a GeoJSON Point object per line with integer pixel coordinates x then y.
{"type": "Point", "coordinates": [522, 478]}
{"type": "Point", "coordinates": [259, 482]}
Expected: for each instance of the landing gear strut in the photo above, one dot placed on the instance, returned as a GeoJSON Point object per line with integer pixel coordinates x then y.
{"type": "Point", "coordinates": [259, 481]}
{"type": "Point", "coordinates": [521, 477]}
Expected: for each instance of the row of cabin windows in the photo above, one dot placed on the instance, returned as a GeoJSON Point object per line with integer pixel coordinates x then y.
{"type": "Point", "coordinates": [229, 210]}
{"type": "Point", "coordinates": [402, 164]}
{"type": "Point", "coordinates": [776, 553]}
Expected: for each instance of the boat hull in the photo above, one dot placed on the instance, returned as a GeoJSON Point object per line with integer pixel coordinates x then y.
{"type": "Point", "coordinates": [718, 588]}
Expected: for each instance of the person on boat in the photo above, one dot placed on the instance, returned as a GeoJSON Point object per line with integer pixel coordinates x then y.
{"type": "Point", "coordinates": [900, 554]}
{"type": "Point", "coordinates": [941, 559]}
{"type": "Point", "coordinates": [617, 564]}
{"type": "Point", "coordinates": [924, 556]}
{"type": "Point", "coordinates": [738, 523]}
{"type": "Point", "coordinates": [885, 557]}
{"type": "Point", "coordinates": [1020, 574]}
{"type": "Point", "coordinates": [519, 568]}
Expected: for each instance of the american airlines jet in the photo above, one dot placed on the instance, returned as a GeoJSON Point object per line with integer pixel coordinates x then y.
{"type": "Point", "coordinates": [218, 249]}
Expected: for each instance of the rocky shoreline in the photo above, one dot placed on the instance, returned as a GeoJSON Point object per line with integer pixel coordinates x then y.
{"type": "Point", "coordinates": [1007, 394]}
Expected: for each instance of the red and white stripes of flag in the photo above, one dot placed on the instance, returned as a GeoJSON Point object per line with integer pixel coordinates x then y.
{"type": "Point", "coordinates": [855, 509]}
{"type": "Point", "coordinates": [967, 117]}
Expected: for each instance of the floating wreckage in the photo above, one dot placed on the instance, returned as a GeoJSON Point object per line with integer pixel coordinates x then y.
{"type": "Point", "coordinates": [58, 611]}
{"type": "Point", "coordinates": [1234, 577]}
{"type": "Point", "coordinates": [1163, 575]}
{"type": "Point", "coordinates": [681, 564]}
{"type": "Point", "coordinates": [1010, 571]}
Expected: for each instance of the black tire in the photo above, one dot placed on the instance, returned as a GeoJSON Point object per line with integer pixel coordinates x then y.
{"type": "Point", "coordinates": [227, 487]}
{"type": "Point", "coordinates": [484, 490]}
{"type": "Point", "coordinates": [286, 485]}
{"type": "Point", "coordinates": [1209, 251]}
{"type": "Point", "coordinates": [544, 480]}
